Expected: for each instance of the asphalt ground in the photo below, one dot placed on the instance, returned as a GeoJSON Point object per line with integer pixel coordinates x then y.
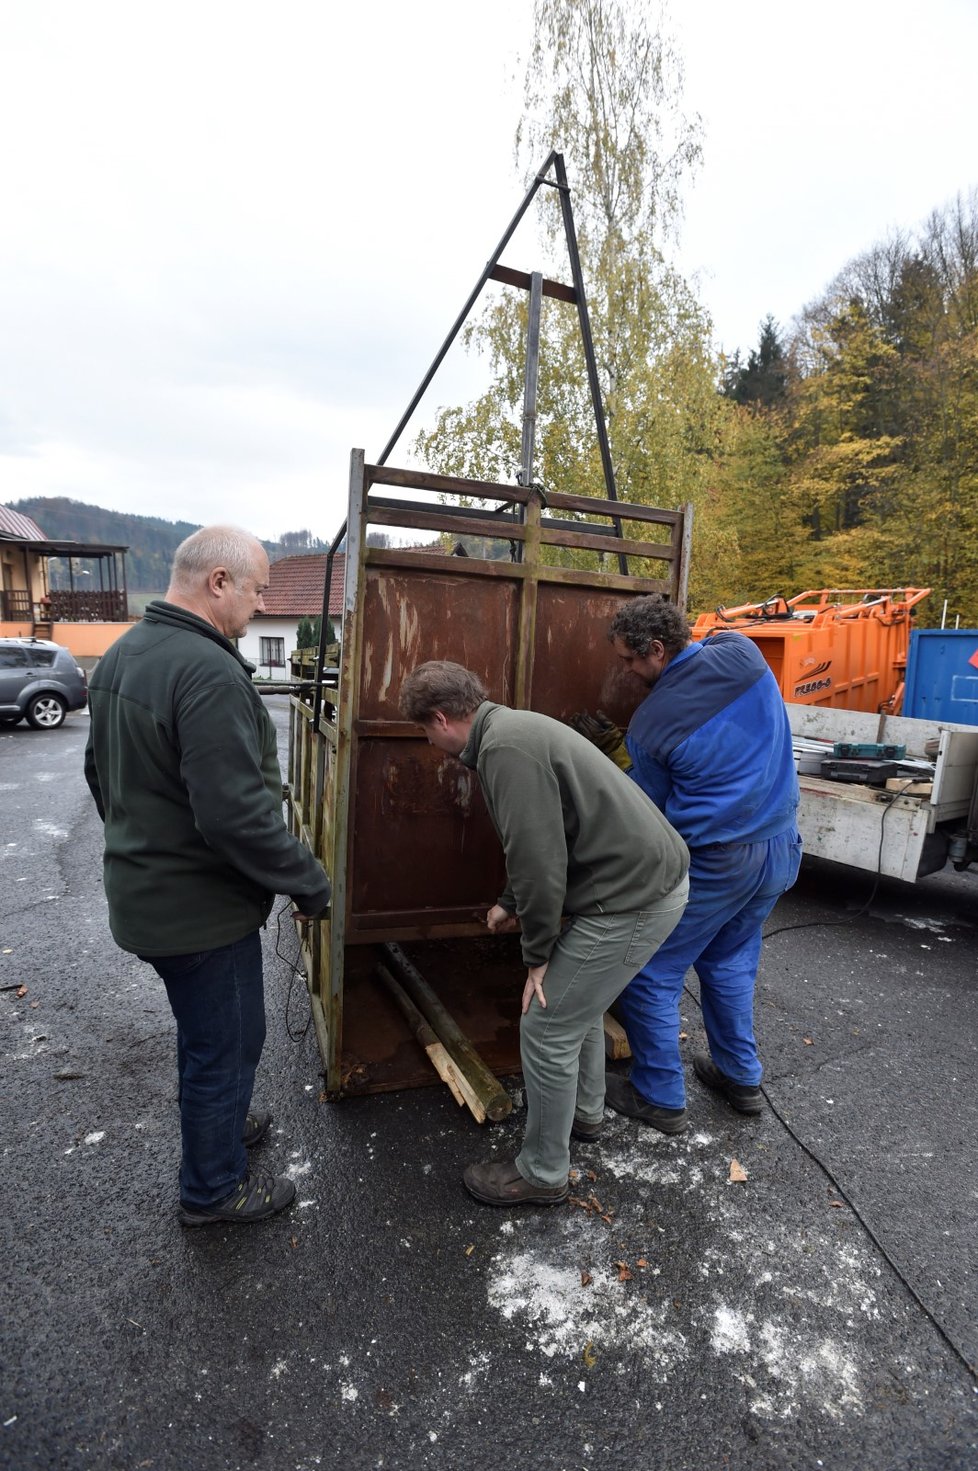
{"type": "Point", "coordinates": [820, 1313]}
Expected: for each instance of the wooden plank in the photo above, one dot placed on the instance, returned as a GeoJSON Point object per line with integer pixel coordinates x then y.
{"type": "Point", "coordinates": [615, 1039]}
{"type": "Point", "coordinates": [480, 490]}
{"type": "Point", "coordinates": [443, 520]}
{"type": "Point", "coordinates": [510, 277]}
{"type": "Point", "coordinates": [619, 510]}
{"type": "Point", "coordinates": [658, 551]}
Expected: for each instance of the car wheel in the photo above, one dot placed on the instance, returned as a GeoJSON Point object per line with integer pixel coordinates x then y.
{"type": "Point", "coordinates": [46, 712]}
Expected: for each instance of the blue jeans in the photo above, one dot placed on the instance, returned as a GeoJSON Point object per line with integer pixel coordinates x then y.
{"type": "Point", "coordinates": [732, 889]}
{"type": "Point", "coordinates": [218, 1000]}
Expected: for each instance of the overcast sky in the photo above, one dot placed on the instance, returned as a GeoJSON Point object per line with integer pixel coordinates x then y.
{"type": "Point", "coordinates": [233, 235]}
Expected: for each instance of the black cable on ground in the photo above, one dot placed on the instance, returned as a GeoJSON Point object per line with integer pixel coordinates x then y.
{"type": "Point", "coordinates": [814, 924]}
{"type": "Point", "coordinates": [295, 970]}
{"type": "Point", "coordinates": [958, 1353]}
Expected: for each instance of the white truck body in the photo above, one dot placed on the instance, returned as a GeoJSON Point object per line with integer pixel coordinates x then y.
{"type": "Point", "coordinates": [903, 837]}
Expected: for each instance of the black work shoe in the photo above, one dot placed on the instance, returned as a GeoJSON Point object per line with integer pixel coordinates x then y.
{"type": "Point", "coordinates": [586, 1129]}
{"type": "Point", "coordinates": [256, 1126]}
{"type": "Point", "coordinates": [744, 1097]}
{"type": "Point", "coordinates": [500, 1183]}
{"type": "Point", "coordinates": [622, 1095]}
{"type": "Point", "coordinates": [254, 1198]}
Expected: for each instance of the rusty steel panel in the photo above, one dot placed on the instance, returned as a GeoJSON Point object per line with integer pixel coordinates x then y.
{"type": "Point", "coordinates": [574, 666]}
{"type": "Point", "coordinates": [423, 838]}
{"type": "Point", "coordinates": [411, 615]}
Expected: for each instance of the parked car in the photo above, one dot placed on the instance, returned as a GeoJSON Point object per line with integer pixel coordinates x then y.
{"type": "Point", "coordinates": [39, 682]}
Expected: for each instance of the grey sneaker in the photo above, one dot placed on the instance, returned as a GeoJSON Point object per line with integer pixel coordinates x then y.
{"type": "Point", "coordinates": [500, 1183]}
{"type": "Point", "coordinates": [622, 1095]}
{"type": "Point", "coordinates": [744, 1097]}
{"type": "Point", "coordinates": [253, 1199]}
{"type": "Point", "coordinates": [256, 1126]}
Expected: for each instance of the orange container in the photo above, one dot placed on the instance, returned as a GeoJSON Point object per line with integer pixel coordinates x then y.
{"type": "Point", "coordinates": [845, 648]}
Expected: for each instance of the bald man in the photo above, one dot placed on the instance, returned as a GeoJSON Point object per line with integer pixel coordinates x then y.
{"type": "Point", "coordinates": [182, 762]}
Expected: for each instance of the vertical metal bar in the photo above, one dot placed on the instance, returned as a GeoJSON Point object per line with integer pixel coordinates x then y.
{"type": "Point", "coordinates": [324, 624]}
{"type": "Point", "coordinates": [681, 573]}
{"type": "Point", "coordinates": [337, 850]}
{"type": "Point", "coordinates": [460, 319]}
{"type": "Point", "coordinates": [585, 321]}
{"type": "Point", "coordinates": [529, 589]}
{"type": "Point", "coordinates": [531, 379]}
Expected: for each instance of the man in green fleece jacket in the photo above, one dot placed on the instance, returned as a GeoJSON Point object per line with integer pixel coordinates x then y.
{"type": "Point", "coordinates": [183, 766]}
{"type": "Point", "coordinates": [582, 844]}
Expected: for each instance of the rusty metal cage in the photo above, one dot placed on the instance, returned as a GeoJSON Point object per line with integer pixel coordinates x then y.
{"type": "Point", "coordinates": [402, 828]}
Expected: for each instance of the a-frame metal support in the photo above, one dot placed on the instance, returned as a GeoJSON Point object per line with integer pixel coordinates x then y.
{"type": "Point", "coordinates": [538, 286]}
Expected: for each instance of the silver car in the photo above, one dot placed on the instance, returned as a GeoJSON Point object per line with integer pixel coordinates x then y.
{"type": "Point", "coordinates": [39, 682]}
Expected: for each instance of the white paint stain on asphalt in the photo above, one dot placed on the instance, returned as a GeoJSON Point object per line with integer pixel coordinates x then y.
{"type": "Point", "coordinates": [777, 1308]}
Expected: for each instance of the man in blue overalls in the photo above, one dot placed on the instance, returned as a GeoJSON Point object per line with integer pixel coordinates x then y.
{"type": "Point", "coordinates": [711, 745]}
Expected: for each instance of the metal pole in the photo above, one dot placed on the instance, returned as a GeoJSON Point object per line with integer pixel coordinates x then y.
{"type": "Point", "coordinates": [592, 368]}
{"type": "Point", "coordinates": [532, 377]}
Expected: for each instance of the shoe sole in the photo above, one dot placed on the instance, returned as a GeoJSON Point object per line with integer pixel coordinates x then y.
{"type": "Point", "coordinates": [523, 1200]}
{"type": "Point", "coordinates": [230, 1218]}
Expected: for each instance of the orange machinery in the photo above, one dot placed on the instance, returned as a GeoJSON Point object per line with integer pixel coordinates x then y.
{"type": "Point", "coordinates": [846, 648]}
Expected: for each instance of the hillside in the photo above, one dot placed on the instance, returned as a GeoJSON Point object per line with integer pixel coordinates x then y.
{"type": "Point", "coordinates": [150, 539]}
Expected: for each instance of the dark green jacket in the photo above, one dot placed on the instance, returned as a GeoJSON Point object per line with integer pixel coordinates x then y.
{"type": "Point", "coordinates": [579, 836]}
{"type": "Point", "coordinates": [183, 766]}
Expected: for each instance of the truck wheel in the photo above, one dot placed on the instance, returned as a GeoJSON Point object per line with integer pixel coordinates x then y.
{"type": "Point", "coordinates": [46, 712]}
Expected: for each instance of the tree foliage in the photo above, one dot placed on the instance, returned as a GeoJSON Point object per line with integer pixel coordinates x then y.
{"type": "Point", "coordinates": [843, 452]}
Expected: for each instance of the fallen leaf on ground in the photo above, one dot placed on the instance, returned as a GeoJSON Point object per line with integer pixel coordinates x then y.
{"type": "Point", "coordinates": [469, 1250]}
{"type": "Point", "coordinates": [21, 991]}
{"type": "Point", "coordinates": [624, 1275]}
{"type": "Point", "coordinates": [808, 1041]}
{"type": "Point", "coordinates": [641, 1262]}
{"type": "Point", "coordinates": [590, 1356]}
{"type": "Point", "coordinates": [591, 1175]}
{"type": "Point", "coordinates": [294, 1240]}
{"type": "Point", "coordinates": [586, 1279]}
{"type": "Point", "coordinates": [837, 1205]}
{"type": "Point", "coordinates": [737, 1172]}
{"type": "Point", "coordinates": [683, 1036]}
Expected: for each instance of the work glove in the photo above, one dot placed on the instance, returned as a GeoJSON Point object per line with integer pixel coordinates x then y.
{"type": "Point", "coordinates": [604, 734]}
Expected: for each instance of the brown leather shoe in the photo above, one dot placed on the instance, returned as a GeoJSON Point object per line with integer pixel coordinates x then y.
{"type": "Point", "coordinates": [586, 1129]}
{"type": "Point", "coordinates": [500, 1183]}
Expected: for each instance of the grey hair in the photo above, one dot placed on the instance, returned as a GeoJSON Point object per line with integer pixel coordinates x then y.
{"type": "Point", "coordinates": [643, 620]}
{"type": "Point", "coordinates": [441, 685]}
{"type": "Point", "coordinates": [215, 546]}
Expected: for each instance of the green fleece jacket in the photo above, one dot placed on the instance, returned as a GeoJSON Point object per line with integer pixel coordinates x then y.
{"type": "Point", "coordinates": [183, 766]}
{"type": "Point", "coordinates": [578, 835]}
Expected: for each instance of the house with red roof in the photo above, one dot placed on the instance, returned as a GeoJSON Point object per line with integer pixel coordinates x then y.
{"type": "Point", "coordinates": [295, 590]}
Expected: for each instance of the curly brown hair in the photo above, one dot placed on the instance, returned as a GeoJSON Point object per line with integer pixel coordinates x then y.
{"type": "Point", "coordinates": [642, 620]}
